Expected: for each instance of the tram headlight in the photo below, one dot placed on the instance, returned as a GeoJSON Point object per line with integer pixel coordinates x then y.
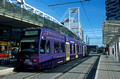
{"type": "Point", "coordinates": [35, 60]}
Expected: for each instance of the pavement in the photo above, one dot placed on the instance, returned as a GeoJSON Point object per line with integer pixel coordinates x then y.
{"type": "Point", "coordinates": [6, 68]}
{"type": "Point", "coordinates": [108, 68]}
{"type": "Point", "coordinates": [81, 71]}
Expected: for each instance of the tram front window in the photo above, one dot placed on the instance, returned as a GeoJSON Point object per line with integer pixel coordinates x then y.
{"type": "Point", "coordinates": [29, 47]}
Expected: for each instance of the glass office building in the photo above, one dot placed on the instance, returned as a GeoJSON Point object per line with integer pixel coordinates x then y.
{"type": "Point", "coordinates": [112, 9]}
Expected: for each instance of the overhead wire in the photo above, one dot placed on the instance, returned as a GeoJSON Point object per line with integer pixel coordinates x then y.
{"type": "Point", "coordinates": [73, 2]}
{"type": "Point", "coordinates": [63, 16]}
{"type": "Point", "coordinates": [51, 8]}
{"type": "Point", "coordinates": [88, 20]}
{"type": "Point", "coordinates": [68, 3]}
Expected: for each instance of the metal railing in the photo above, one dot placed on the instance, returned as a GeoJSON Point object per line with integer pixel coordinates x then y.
{"type": "Point", "coordinates": [16, 12]}
{"type": "Point", "coordinates": [19, 13]}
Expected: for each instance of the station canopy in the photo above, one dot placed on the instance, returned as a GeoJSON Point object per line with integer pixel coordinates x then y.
{"type": "Point", "coordinates": [111, 29]}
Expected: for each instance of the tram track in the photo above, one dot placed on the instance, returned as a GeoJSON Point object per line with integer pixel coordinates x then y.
{"type": "Point", "coordinates": [82, 60]}
{"type": "Point", "coordinates": [76, 63]}
{"type": "Point", "coordinates": [15, 74]}
{"type": "Point", "coordinates": [34, 73]}
{"type": "Point", "coordinates": [58, 72]}
{"type": "Point", "coordinates": [30, 76]}
{"type": "Point", "coordinates": [65, 71]}
{"type": "Point", "coordinates": [87, 73]}
{"type": "Point", "coordinates": [92, 70]}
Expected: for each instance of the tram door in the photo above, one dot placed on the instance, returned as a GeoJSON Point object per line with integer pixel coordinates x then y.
{"type": "Point", "coordinates": [83, 50]}
{"type": "Point", "coordinates": [67, 46]}
{"type": "Point", "coordinates": [76, 52]}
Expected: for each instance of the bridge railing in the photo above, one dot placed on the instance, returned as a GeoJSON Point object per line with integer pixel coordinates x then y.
{"type": "Point", "coordinates": [16, 12]}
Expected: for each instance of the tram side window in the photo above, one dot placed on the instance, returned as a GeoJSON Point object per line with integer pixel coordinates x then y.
{"type": "Point", "coordinates": [42, 46]}
{"type": "Point", "coordinates": [47, 46]}
{"type": "Point", "coordinates": [70, 48]}
{"type": "Point", "coordinates": [56, 47]}
{"type": "Point", "coordinates": [78, 48]}
{"type": "Point", "coordinates": [82, 49]}
{"type": "Point", "coordinates": [62, 47]}
{"type": "Point", "coordinates": [74, 48]}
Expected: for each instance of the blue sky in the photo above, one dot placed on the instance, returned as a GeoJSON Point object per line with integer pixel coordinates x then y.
{"type": "Point", "coordinates": [95, 11]}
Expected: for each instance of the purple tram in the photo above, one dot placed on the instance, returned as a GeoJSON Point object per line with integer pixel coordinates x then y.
{"type": "Point", "coordinates": [45, 48]}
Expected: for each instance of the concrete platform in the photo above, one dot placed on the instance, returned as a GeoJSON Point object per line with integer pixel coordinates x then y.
{"type": "Point", "coordinates": [9, 67]}
{"type": "Point", "coordinates": [80, 71]}
{"type": "Point", "coordinates": [108, 68]}
{"type": "Point", "coordinates": [4, 70]}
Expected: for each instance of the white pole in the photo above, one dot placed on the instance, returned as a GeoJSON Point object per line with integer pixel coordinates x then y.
{"type": "Point", "coordinates": [78, 15]}
{"type": "Point", "coordinates": [78, 22]}
{"type": "Point", "coordinates": [69, 19]}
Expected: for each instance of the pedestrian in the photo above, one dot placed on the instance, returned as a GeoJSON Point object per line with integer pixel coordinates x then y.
{"type": "Point", "coordinates": [107, 51]}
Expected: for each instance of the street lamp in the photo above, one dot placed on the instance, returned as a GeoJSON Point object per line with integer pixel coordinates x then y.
{"type": "Point", "coordinates": [86, 39]}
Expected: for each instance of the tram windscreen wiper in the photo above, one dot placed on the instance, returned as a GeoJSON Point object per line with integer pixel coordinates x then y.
{"type": "Point", "coordinates": [29, 47]}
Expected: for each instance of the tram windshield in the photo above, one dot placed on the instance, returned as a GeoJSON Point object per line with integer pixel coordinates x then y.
{"type": "Point", "coordinates": [29, 46]}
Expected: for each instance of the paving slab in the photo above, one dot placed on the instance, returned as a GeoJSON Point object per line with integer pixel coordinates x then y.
{"type": "Point", "coordinates": [108, 68]}
{"type": "Point", "coordinates": [80, 71]}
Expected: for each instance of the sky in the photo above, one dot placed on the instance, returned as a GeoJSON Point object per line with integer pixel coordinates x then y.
{"type": "Point", "coordinates": [91, 17]}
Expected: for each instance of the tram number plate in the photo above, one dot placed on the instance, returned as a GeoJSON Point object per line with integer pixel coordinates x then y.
{"type": "Point", "coordinates": [27, 60]}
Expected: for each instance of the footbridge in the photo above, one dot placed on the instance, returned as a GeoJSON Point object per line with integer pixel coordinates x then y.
{"type": "Point", "coordinates": [18, 14]}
